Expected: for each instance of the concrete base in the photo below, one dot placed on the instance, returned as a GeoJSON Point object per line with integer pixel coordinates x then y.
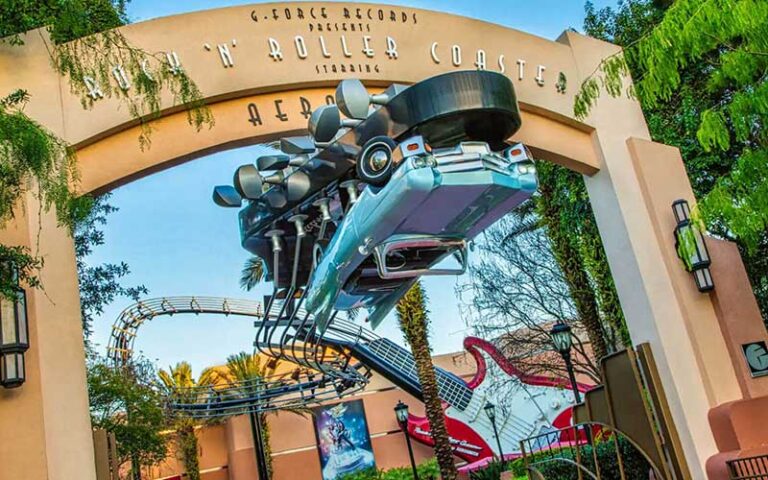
{"type": "Point", "coordinates": [740, 432]}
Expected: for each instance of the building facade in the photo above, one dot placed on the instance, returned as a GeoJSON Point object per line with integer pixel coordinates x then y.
{"type": "Point", "coordinates": [226, 449]}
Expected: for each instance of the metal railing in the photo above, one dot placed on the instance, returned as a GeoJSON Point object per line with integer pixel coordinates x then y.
{"type": "Point", "coordinates": [126, 326]}
{"type": "Point", "coordinates": [564, 446]}
{"type": "Point", "coordinates": [751, 468]}
{"type": "Point", "coordinates": [324, 371]}
{"type": "Point", "coordinates": [588, 451]}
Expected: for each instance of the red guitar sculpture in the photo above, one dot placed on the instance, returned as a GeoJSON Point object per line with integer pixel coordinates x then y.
{"type": "Point", "coordinates": [526, 405]}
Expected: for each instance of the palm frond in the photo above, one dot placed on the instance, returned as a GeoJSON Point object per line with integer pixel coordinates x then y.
{"type": "Point", "coordinates": [252, 273]}
{"type": "Point", "coordinates": [244, 366]}
{"type": "Point", "coordinates": [178, 376]}
{"type": "Point", "coordinates": [212, 376]}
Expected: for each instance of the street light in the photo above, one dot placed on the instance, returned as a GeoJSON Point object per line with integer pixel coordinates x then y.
{"type": "Point", "coordinates": [490, 412]}
{"type": "Point", "coordinates": [401, 412]}
{"type": "Point", "coordinates": [14, 332]}
{"type": "Point", "coordinates": [691, 247]}
{"type": "Point", "coordinates": [561, 337]}
{"type": "Point", "coordinates": [563, 340]}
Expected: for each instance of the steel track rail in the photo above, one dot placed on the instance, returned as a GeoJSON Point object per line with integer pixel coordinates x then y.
{"type": "Point", "coordinates": [328, 372]}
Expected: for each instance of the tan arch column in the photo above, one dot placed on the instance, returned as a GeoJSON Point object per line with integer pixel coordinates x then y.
{"type": "Point", "coordinates": [631, 196]}
{"type": "Point", "coordinates": [46, 427]}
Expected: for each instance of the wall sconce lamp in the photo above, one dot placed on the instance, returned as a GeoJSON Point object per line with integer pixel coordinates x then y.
{"type": "Point", "coordinates": [14, 332]}
{"type": "Point", "coordinates": [691, 248]}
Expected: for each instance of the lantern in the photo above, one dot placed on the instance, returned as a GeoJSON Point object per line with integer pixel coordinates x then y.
{"type": "Point", "coordinates": [14, 332]}
{"type": "Point", "coordinates": [401, 412]}
{"type": "Point", "coordinates": [13, 323]}
{"type": "Point", "coordinates": [490, 411]}
{"type": "Point", "coordinates": [691, 247]}
{"type": "Point", "coordinates": [12, 371]}
{"type": "Point", "coordinates": [561, 337]}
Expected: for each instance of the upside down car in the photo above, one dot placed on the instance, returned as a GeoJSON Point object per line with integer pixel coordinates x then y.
{"type": "Point", "coordinates": [353, 214]}
{"type": "Point", "coordinates": [434, 203]}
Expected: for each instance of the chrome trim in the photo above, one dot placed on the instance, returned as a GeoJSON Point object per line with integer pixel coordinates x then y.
{"type": "Point", "coordinates": [458, 245]}
{"type": "Point", "coordinates": [485, 162]}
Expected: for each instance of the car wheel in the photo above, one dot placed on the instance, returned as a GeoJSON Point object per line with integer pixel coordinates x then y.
{"type": "Point", "coordinates": [374, 163]}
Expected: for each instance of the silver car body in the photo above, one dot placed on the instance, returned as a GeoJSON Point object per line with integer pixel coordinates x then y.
{"type": "Point", "coordinates": [433, 204]}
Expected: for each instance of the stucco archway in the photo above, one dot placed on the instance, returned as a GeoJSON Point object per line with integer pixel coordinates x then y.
{"type": "Point", "coordinates": [261, 68]}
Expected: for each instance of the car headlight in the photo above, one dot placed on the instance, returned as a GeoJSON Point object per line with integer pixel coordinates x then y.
{"type": "Point", "coordinates": [526, 168]}
{"type": "Point", "coordinates": [424, 161]}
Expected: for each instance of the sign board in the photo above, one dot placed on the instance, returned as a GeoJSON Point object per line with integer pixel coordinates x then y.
{"type": "Point", "coordinates": [756, 354]}
{"type": "Point", "coordinates": [343, 441]}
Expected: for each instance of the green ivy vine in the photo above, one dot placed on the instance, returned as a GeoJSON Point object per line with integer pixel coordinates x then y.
{"type": "Point", "coordinates": [87, 49]}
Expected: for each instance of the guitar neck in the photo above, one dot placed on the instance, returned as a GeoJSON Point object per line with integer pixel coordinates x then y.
{"type": "Point", "coordinates": [397, 364]}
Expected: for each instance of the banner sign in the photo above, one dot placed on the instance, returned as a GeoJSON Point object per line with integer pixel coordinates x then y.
{"type": "Point", "coordinates": [343, 442]}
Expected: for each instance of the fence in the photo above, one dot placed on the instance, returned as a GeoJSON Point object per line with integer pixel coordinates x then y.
{"type": "Point", "coordinates": [751, 468]}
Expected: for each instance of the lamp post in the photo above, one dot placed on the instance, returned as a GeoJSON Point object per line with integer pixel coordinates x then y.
{"type": "Point", "coordinates": [401, 412]}
{"type": "Point", "coordinates": [490, 412]}
{"type": "Point", "coordinates": [561, 337]}
{"type": "Point", "coordinates": [14, 336]}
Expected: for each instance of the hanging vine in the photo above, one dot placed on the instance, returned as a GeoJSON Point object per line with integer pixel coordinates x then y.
{"type": "Point", "coordinates": [98, 61]}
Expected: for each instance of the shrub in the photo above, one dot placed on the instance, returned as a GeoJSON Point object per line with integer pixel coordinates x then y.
{"type": "Point", "coordinates": [635, 465]}
{"type": "Point", "coordinates": [492, 471]}
{"type": "Point", "coordinates": [427, 471]}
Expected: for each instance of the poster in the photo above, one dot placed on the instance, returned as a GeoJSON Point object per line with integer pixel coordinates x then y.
{"type": "Point", "coordinates": [343, 441]}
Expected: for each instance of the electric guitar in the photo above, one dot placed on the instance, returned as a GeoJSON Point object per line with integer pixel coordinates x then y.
{"type": "Point", "coordinates": [525, 405]}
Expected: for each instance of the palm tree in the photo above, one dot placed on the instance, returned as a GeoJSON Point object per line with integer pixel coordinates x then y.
{"type": "Point", "coordinates": [252, 273]}
{"type": "Point", "coordinates": [412, 316]}
{"type": "Point", "coordinates": [248, 369]}
{"type": "Point", "coordinates": [570, 259]}
{"type": "Point", "coordinates": [179, 380]}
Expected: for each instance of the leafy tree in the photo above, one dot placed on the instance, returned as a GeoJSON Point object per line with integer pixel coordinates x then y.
{"type": "Point", "coordinates": [699, 67]}
{"type": "Point", "coordinates": [123, 401]}
{"type": "Point", "coordinates": [84, 44]}
{"type": "Point", "coordinates": [412, 315]}
{"type": "Point", "coordinates": [179, 380]}
{"type": "Point", "coordinates": [517, 290]}
{"type": "Point", "coordinates": [545, 262]}
{"type": "Point", "coordinates": [99, 284]}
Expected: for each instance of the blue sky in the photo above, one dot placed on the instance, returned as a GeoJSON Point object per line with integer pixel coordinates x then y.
{"type": "Point", "coordinates": [178, 243]}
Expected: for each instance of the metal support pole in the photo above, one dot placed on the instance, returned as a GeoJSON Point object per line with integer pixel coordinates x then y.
{"type": "Point", "coordinates": [258, 446]}
{"type": "Point", "coordinates": [498, 441]}
{"type": "Point", "coordinates": [572, 377]}
{"type": "Point", "coordinates": [576, 392]}
{"type": "Point", "coordinates": [410, 453]}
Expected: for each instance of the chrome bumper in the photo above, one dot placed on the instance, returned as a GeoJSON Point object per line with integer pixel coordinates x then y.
{"type": "Point", "coordinates": [401, 242]}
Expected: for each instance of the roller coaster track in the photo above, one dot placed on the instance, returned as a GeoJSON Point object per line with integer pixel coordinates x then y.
{"type": "Point", "coordinates": [328, 372]}
{"type": "Point", "coordinates": [126, 326]}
